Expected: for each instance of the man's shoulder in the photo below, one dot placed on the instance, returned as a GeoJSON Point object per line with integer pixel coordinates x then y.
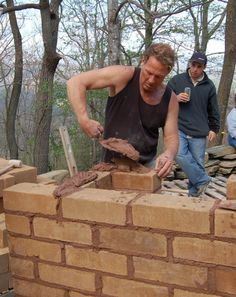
{"type": "Point", "coordinates": [179, 76]}
{"type": "Point", "coordinates": [206, 78]}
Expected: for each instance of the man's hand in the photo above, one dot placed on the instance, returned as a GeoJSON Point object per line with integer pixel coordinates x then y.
{"type": "Point", "coordinates": [183, 97]}
{"type": "Point", "coordinates": [163, 165]}
{"type": "Point", "coordinates": [92, 128]}
{"type": "Point", "coordinates": [211, 135]}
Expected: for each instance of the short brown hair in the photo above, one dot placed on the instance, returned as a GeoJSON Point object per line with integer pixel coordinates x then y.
{"type": "Point", "coordinates": [162, 52]}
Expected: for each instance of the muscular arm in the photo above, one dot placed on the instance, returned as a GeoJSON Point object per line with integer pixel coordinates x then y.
{"type": "Point", "coordinates": [171, 139]}
{"type": "Point", "coordinates": [114, 77]}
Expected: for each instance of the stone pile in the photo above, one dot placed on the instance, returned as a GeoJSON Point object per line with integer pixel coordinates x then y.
{"type": "Point", "coordinates": [220, 160]}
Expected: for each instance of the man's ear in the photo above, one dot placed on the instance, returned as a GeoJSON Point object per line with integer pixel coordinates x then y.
{"type": "Point", "coordinates": [143, 61]}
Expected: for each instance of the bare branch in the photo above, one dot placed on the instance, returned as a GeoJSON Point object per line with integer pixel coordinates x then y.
{"type": "Point", "coordinates": [4, 9]}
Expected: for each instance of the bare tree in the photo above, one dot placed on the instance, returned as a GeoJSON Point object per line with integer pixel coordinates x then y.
{"type": "Point", "coordinates": [43, 113]}
{"type": "Point", "coordinates": [207, 18]}
{"type": "Point", "coordinates": [50, 19]}
{"type": "Point", "coordinates": [229, 63]}
{"type": "Point", "coordinates": [16, 87]}
{"type": "Point", "coordinates": [114, 38]}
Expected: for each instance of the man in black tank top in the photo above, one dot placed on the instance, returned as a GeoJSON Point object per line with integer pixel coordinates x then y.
{"type": "Point", "coordinates": [138, 105]}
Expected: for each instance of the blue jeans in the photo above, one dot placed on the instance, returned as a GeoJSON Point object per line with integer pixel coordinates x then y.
{"type": "Point", "coordinates": [231, 141]}
{"type": "Point", "coordinates": [191, 158]}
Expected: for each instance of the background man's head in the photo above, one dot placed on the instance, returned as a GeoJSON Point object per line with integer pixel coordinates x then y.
{"type": "Point", "coordinates": [197, 64]}
{"type": "Point", "coordinates": [199, 57]}
{"type": "Point", "coordinates": [162, 52]}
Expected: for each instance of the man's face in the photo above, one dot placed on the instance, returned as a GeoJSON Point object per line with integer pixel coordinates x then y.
{"type": "Point", "coordinates": [196, 69]}
{"type": "Point", "coordinates": [152, 75]}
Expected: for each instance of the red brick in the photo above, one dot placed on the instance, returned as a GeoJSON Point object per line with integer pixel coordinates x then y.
{"type": "Point", "coordinates": [97, 205]}
{"type": "Point", "coordinates": [34, 198]}
{"type": "Point", "coordinates": [97, 260]}
{"type": "Point", "coordinates": [22, 267]}
{"type": "Point", "coordinates": [173, 213]}
{"type": "Point", "coordinates": [131, 241]}
{"type": "Point", "coordinates": [35, 248]}
{"type": "Point", "coordinates": [65, 231]}
{"type": "Point", "coordinates": [215, 252]}
{"type": "Point", "coordinates": [31, 289]}
{"type": "Point", "coordinates": [128, 288]}
{"type": "Point", "coordinates": [67, 277]}
{"type": "Point", "coordinates": [136, 181]}
{"type": "Point", "coordinates": [18, 224]}
{"type": "Point", "coordinates": [167, 272]}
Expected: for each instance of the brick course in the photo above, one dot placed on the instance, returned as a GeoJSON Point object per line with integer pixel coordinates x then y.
{"type": "Point", "coordinates": [107, 243]}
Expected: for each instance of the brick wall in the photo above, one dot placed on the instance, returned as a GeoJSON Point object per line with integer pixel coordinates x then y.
{"type": "Point", "coordinates": [14, 176]}
{"type": "Point", "coordinates": [118, 243]}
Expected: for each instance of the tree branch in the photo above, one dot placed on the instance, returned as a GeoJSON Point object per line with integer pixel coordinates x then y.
{"type": "Point", "coordinates": [4, 9]}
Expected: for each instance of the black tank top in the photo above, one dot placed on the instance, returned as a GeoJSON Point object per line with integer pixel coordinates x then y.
{"type": "Point", "coordinates": [129, 117]}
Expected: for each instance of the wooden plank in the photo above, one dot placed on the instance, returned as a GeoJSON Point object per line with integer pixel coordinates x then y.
{"type": "Point", "coordinates": [175, 190]}
{"type": "Point", "coordinates": [214, 194]}
{"type": "Point", "coordinates": [222, 178]}
{"type": "Point", "coordinates": [70, 159]}
{"type": "Point", "coordinates": [220, 189]}
{"type": "Point", "coordinates": [181, 184]}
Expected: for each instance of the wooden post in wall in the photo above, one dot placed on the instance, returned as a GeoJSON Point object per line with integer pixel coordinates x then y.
{"type": "Point", "coordinates": [70, 159]}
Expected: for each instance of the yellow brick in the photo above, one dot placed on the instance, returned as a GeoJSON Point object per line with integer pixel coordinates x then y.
{"type": "Point", "coordinates": [3, 232]}
{"type": "Point", "coordinates": [181, 293]}
{"type": "Point", "coordinates": [18, 224]}
{"type": "Point", "coordinates": [225, 223]}
{"type": "Point", "coordinates": [131, 241]}
{"type": "Point", "coordinates": [98, 260]}
{"type": "Point", "coordinates": [6, 181]}
{"type": "Point", "coordinates": [24, 174]}
{"type": "Point", "coordinates": [207, 251]}
{"type": "Point", "coordinates": [173, 213]}
{"type": "Point", "coordinates": [225, 281]}
{"type": "Point", "coordinates": [178, 274]}
{"type": "Point", "coordinates": [103, 181]}
{"type": "Point", "coordinates": [231, 187]}
{"type": "Point", "coordinates": [31, 289]}
{"type": "Point", "coordinates": [76, 294]}
{"type": "Point", "coordinates": [22, 267]}
{"type": "Point", "coordinates": [67, 277]}
{"type": "Point", "coordinates": [97, 205]}
{"type": "Point", "coordinates": [35, 248]}
{"type": "Point", "coordinates": [128, 288]}
{"type": "Point", "coordinates": [4, 260]}
{"type": "Point", "coordinates": [136, 181]}
{"type": "Point", "coordinates": [1, 205]}
{"type": "Point", "coordinates": [4, 281]}
{"type": "Point", "coordinates": [65, 231]}
{"type": "Point", "coordinates": [36, 198]}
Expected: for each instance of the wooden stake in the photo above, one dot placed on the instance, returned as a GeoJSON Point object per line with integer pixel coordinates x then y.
{"type": "Point", "coordinates": [70, 159]}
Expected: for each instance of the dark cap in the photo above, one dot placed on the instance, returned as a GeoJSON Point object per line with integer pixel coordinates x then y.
{"type": "Point", "coordinates": [198, 57]}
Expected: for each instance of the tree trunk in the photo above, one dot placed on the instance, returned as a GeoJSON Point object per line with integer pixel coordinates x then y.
{"type": "Point", "coordinates": [44, 101]}
{"type": "Point", "coordinates": [16, 88]}
{"type": "Point", "coordinates": [228, 65]}
{"type": "Point", "coordinates": [113, 33]}
{"type": "Point", "coordinates": [148, 25]}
